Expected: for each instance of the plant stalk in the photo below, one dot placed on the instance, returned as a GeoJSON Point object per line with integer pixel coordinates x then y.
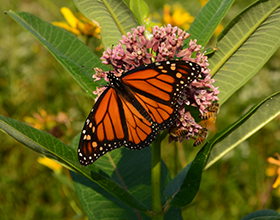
{"type": "Point", "coordinates": [156, 179]}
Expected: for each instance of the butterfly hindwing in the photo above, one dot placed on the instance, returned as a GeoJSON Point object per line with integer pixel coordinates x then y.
{"type": "Point", "coordinates": [162, 114]}
{"type": "Point", "coordinates": [141, 132]}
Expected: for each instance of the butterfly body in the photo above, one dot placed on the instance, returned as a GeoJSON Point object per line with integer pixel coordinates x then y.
{"type": "Point", "coordinates": [135, 107]}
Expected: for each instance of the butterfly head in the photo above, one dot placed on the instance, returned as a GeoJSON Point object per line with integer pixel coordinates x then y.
{"type": "Point", "coordinates": [113, 79]}
{"type": "Point", "coordinates": [111, 76]}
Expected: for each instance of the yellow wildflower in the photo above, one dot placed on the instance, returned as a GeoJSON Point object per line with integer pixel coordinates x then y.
{"type": "Point", "coordinates": [51, 123]}
{"type": "Point", "coordinates": [41, 120]}
{"type": "Point", "coordinates": [78, 26]}
{"type": "Point", "coordinates": [274, 170]}
{"type": "Point", "coordinates": [57, 168]}
{"type": "Point", "coordinates": [218, 29]}
{"type": "Point", "coordinates": [177, 16]}
{"type": "Point", "coordinates": [203, 2]}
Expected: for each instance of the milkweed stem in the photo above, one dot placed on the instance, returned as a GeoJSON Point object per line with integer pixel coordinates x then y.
{"type": "Point", "coordinates": [156, 179]}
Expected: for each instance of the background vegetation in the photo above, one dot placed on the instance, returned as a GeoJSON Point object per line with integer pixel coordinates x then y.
{"type": "Point", "coordinates": [32, 81]}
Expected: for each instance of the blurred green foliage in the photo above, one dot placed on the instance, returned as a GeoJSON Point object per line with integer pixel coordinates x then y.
{"type": "Point", "coordinates": [31, 79]}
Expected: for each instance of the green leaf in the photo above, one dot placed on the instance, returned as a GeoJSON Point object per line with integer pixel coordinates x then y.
{"type": "Point", "coordinates": [53, 148]}
{"type": "Point", "coordinates": [131, 170]}
{"type": "Point", "coordinates": [98, 204]}
{"type": "Point", "coordinates": [249, 124]}
{"type": "Point", "coordinates": [209, 52]}
{"type": "Point", "coordinates": [65, 47]}
{"type": "Point", "coordinates": [188, 180]}
{"type": "Point", "coordinates": [38, 140]}
{"type": "Point", "coordinates": [208, 19]}
{"type": "Point", "coordinates": [114, 18]}
{"type": "Point", "coordinates": [185, 185]}
{"type": "Point", "coordinates": [263, 215]}
{"type": "Point", "coordinates": [245, 45]}
{"type": "Point", "coordinates": [140, 9]}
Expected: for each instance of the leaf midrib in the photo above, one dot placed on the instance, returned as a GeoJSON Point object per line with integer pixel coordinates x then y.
{"type": "Point", "coordinates": [114, 17]}
{"type": "Point", "coordinates": [246, 36]}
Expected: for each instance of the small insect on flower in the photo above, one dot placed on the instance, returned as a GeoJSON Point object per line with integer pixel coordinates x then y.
{"type": "Point", "coordinates": [213, 110]}
{"type": "Point", "coordinates": [201, 137]}
{"type": "Point", "coordinates": [177, 132]}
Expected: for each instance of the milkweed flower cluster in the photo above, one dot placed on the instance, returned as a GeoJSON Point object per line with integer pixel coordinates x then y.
{"type": "Point", "coordinates": [165, 44]}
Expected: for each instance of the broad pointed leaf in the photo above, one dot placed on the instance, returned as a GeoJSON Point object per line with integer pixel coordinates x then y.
{"type": "Point", "coordinates": [114, 18]}
{"type": "Point", "coordinates": [98, 204]}
{"type": "Point", "coordinates": [249, 124]}
{"type": "Point", "coordinates": [36, 140]}
{"type": "Point", "coordinates": [53, 148]}
{"type": "Point", "coordinates": [208, 19]}
{"type": "Point", "coordinates": [132, 170]}
{"type": "Point", "coordinates": [140, 9]}
{"type": "Point", "coordinates": [186, 184]}
{"type": "Point", "coordinates": [265, 214]}
{"type": "Point", "coordinates": [183, 188]}
{"type": "Point", "coordinates": [65, 47]}
{"type": "Point", "coordinates": [245, 45]}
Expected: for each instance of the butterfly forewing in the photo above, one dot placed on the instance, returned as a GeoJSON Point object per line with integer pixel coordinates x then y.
{"type": "Point", "coordinates": [105, 128]}
{"type": "Point", "coordinates": [158, 86]}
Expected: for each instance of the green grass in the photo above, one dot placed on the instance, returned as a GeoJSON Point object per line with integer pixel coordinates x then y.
{"type": "Point", "coordinates": [30, 79]}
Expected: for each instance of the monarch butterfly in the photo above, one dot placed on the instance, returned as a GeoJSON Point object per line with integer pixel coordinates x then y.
{"type": "Point", "coordinates": [134, 107]}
